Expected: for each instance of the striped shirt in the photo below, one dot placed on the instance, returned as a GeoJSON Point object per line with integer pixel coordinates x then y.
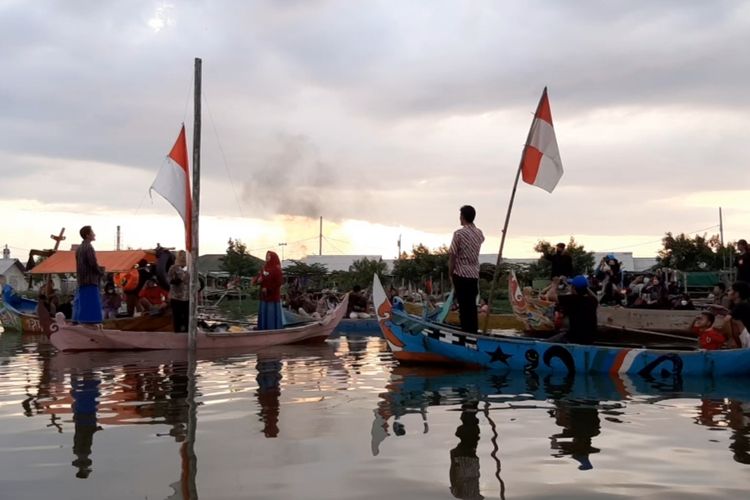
{"type": "Point", "coordinates": [465, 251]}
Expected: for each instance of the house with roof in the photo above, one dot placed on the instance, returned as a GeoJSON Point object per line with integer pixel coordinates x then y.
{"type": "Point", "coordinates": [13, 271]}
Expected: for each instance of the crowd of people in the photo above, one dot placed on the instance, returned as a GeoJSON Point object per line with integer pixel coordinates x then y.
{"type": "Point", "coordinates": [578, 298]}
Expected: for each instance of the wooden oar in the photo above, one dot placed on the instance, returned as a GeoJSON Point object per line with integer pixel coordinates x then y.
{"type": "Point", "coordinates": [651, 332]}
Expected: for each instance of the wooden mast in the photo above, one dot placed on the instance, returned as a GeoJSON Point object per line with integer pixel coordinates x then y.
{"type": "Point", "coordinates": [507, 219]}
{"type": "Point", "coordinates": [193, 319]}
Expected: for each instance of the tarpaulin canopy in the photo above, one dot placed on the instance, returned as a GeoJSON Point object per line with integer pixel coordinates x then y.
{"type": "Point", "coordinates": [113, 261]}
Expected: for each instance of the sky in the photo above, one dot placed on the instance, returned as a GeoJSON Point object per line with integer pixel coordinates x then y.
{"type": "Point", "coordinates": [381, 117]}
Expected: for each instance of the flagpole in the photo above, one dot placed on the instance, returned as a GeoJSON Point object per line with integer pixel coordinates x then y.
{"type": "Point", "coordinates": [507, 220]}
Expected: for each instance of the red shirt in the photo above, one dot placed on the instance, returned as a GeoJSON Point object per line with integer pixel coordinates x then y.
{"type": "Point", "coordinates": [154, 294]}
{"type": "Point", "coordinates": [710, 339]}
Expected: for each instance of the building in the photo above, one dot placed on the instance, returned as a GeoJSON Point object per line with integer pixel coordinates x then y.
{"type": "Point", "coordinates": [13, 271]}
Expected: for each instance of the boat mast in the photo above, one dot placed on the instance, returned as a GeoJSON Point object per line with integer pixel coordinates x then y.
{"type": "Point", "coordinates": [193, 319]}
{"type": "Point", "coordinates": [507, 220]}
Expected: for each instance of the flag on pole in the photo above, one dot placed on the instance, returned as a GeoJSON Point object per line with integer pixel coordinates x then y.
{"type": "Point", "coordinates": [540, 164]}
{"type": "Point", "coordinates": [173, 183]}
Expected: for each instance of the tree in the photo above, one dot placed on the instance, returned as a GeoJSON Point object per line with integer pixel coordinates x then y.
{"type": "Point", "coordinates": [583, 261]}
{"type": "Point", "coordinates": [699, 253]}
{"type": "Point", "coordinates": [361, 271]}
{"type": "Point", "coordinates": [310, 276]}
{"type": "Point", "coordinates": [422, 264]}
{"type": "Point", "coordinates": [238, 262]}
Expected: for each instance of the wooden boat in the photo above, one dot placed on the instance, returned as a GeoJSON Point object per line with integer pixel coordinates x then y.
{"type": "Point", "coordinates": [66, 336]}
{"type": "Point", "coordinates": [538, 315]}
{"type": "Point", "coordinates": [21, 318]}
{"type": "Point", "coordinates": [415, 339]}
{"type": "Point", "coordinates": [495, 322]}
{"type": "Point", "coordinates": [27, 321]}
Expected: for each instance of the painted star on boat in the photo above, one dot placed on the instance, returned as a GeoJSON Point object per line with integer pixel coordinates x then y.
{"type": "Point", "coordinates": [499, 355]}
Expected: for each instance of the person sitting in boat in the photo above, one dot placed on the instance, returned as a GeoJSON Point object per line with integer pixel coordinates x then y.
{"type": "Point", "coordinates": [610, 277]}
{"type": "Point", "coordinates": [551, 291]}
{"type": "Point", "coordinates": [357, 306]}
{"type": "Point", "coordinates": [49, 297]}
{"type": "Point", "coordinates": [709, 338]}
{"type": "Point", "coordinates": [720, 297]}
{"type": "Point", "coordinates": [484, 308]}
{"type": "Point", "coordinates": [737, 323]}
{"type": "Point", "coordinates": [152, 298]}
{"type": "Point", "coordinates": [655, 295]}
{"type": "Point", "coordinates": [682, 302]}
{"type": "Point", "coordinates": [579, 306]}
{"type": "Point", "coordinates": [10, 296]}
{"type": "Point", "coordinates": [270, 279]}
{"type": "Point", "coordinates": [633, 290]}
{"type": "Point", "coordinates": [111, 301]}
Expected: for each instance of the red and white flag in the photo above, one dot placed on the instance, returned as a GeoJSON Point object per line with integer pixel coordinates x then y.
{"type": "Point", "coordinates": [173, 183]}
{"type": "Point", "coordinates": [541, 165]}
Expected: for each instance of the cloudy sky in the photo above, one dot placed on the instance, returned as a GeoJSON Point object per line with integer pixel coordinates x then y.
{"type": "Point", "coordinates": [383, 117]}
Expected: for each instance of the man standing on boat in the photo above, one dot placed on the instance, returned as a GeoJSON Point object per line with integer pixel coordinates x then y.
{"type": "Point", "coordinates": [463, 268]}
{"type": "Point", "coordinates": [562, 262]}
{"type": "Point", "coordinates": [87, 306]}
{"type": "Point", "coordinates": [742, 262]}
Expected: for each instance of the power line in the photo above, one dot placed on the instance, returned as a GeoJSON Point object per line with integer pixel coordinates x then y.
{"type": "Point", "coordinates": [659, 240]}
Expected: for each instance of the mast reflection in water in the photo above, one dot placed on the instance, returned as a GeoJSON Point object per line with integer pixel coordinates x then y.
{"type": "Point", "coordinates": [295, 422]}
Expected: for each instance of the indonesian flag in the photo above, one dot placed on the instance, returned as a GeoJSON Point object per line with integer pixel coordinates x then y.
{"type": "Point", "coordinates": [173, 183]}
{"type": "Point", "coordinates": [540, 164]}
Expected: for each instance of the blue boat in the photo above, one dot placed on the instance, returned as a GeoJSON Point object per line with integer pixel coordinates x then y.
{"type": "Point", "coordinates": [416, 339]}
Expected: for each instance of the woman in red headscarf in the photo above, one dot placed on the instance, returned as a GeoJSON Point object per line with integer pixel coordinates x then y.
{"type": "Point", "coordinates": [270, 280]}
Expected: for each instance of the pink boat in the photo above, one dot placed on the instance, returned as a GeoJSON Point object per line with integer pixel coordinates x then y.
{"type": "Point", "coordinates": [66, 336]}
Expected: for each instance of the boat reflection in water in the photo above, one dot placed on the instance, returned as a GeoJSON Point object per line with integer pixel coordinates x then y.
{"type": "Point", "coordinates": [576, 404]}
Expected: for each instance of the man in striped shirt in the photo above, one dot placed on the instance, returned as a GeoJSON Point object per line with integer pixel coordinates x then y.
{"type": "Point", "coordinates": [463, 267]}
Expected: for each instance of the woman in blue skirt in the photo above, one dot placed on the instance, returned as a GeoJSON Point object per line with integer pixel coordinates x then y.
{"type": "Point", "coordinates": [270, 280]}
{"type": "Point", "coordinates": [87, 306]}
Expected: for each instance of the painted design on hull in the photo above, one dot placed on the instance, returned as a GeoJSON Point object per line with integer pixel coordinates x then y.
{"type": "Point", "coordinates": [536, 314]}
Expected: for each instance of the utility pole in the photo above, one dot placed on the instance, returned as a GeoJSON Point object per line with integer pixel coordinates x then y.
{"type": "Point", "coordinates": [320, 237]}
{"type": "Point", "coordinates": [721, 239]}
{"type": "Point", "coordinates": [399, 247]}
{"type": "Point", "coordinates": [118, 239]}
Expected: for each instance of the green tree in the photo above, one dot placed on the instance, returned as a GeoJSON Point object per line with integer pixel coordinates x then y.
{"type": "Point", "coordinates": [422, 264]}
{"type": "Point", "coordinates": [699, 253]}
{"type": "Point", "coordinates": [583, 261]}
{"type": "Point", "coordinates": [361, 271]}
{"type": "Point", "coordinates": [238, 262]}
{"type": "Point", "coordinates": [313, 276]}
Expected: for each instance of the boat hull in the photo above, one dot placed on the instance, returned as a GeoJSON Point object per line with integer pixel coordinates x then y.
{"type": "Point", "coordinates": [68, 337]}
{"type": "Point", "coordinates": [412, 338]}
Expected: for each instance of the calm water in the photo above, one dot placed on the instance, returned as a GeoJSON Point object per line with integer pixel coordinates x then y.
{"type": "Point", "coordinates": [344, 421]}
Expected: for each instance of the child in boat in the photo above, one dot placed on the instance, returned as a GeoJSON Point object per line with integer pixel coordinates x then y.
{"type": "Point", "coordinates": [153, 299]}
{"type": "Point", "coordinates": [709, 338]}
{"type": "Point", "coordinates": [111, 301]}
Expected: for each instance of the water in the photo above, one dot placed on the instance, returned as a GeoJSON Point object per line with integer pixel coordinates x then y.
{"type": "Point", "coordinates": [344, 421]}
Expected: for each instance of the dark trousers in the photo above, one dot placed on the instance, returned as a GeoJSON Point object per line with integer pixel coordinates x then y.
{"type": "Point", "coordinates": [180, 314]}
{"type": "Point", "coordinates": [466, 295]}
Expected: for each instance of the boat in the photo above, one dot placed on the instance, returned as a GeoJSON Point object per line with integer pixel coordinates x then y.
{"type": "Point", "coordinates": [538, 315]}
{"type": "Point", "coordinates": [415, 339]}
{"type": "Point", "coordinates": [20, 317]}
{"type": "Point", "coordinates": [66, 336]}
{"type": "Point", "coordinates": [494, 322]}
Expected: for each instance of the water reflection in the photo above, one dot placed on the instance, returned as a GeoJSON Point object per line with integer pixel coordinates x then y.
{"type": "Point", "coordinates": [85, 393]}
{"type": "Point", "coordinates": [268, 393]}
{"type": "Point", "coordinates": [578, 406]}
